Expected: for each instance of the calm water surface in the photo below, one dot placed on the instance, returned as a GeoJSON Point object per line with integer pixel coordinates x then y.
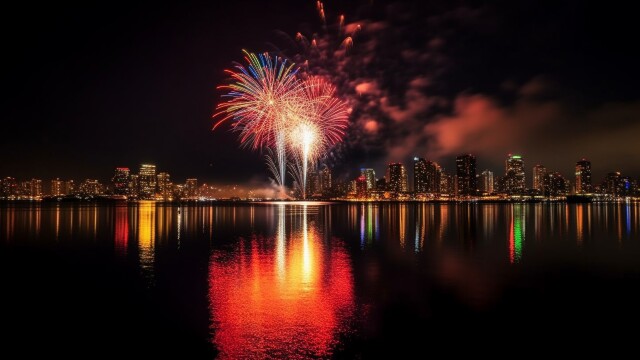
{"type": "Point", "coordinates": [317, 280]}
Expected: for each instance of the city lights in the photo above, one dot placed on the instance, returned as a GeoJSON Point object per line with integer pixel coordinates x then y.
{"type": "Point", "coordinates": [430, 182]}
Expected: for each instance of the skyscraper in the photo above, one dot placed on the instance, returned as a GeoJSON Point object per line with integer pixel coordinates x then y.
{"type": "Point", "coordinates": [325, 179]}
{"type": "Point", "coordinates": [466, 175]}
{"type": "Point", "coordinates": [90, 187]}
{"type": "Point", "coordinates": [9, 187]}
{"type": "Point", "coordinates": [419, 175]}
{"type": "Point", "coordinates": [626, 186]}
{"type": "Point", "coordinates": [370, 177]}
{"type": "Point", "coordinates": [446, 183]}
{"type": "Point", "coordinates": [397, 176]}
{"type": "Point", "coordinates": [165, 187]}
{"type": "Point", "coordinates": [120, 181]}
{"type": "Point", "coordinates": [612, 183]}
{"type": "Point", "coordinates": [69, 187]}
{"type": "Point", "coordinates": [433, 176]}
{"type": "Point", "coordinates": [514, 175]}
{"type": "Point", "coordinates": [35, 188]}
{"type": "Point", "coordinates": [147, 181]}
{"type": "Point", "coordinates": [24, 189]}
{"type": "Point", "coordinates": [361, 187]}
{"type": "Point", "coordinates": [313, 183]}
{"type": "Point", "coordinates": [583, 176]}
{"type": "Point", "coordinates": [134, 185]}
{"type": "Point", "coordinates": [57, 187]}
{"type": "Point", "coordinates": [486, 182]}
{"type": "Point", "coordinates": [539, 171]}
{"type": "Point", "coordinates": [555, 184]}
{"type": "Point", "coordinates": [192, 188]}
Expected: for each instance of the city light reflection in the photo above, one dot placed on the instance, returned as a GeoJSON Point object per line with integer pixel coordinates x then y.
{"type": "Point", "coordinates": [402, 224]}
{"type": "Point", "coordinates": [146, 238]}
{"type": "Point", "coordinates": [579, 224]}
{"type": "Point", "coordinates": [57, 222]}
{"type": "Point", "coordinates": [291, 302]}
{"type": "Point", "coordinates": [516, 234]}
{"type": "Point", "coordinates": [121, 240]}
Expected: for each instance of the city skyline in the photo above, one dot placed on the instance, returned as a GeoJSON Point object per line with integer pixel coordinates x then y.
{"type": "Point", "coordinates": [466, 180]}
{"type": "Point", "coordinates": [439, 99]}
{"type": "Point", "coordinates": [259, 178]}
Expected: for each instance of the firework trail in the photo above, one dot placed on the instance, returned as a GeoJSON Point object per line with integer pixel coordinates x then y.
{"type": "Point", "coordinates": [320, 125]}
{"type": "Point", "coordinates": [362, 60]}
{"type": "Point", "coordinates": [287, 110]}
{"type": "Point", "coordinates": [325, 50]}
{"type": "Point", "coordinates": [261, 98]}
{"type": "Point", "coordinates": [271, 107]}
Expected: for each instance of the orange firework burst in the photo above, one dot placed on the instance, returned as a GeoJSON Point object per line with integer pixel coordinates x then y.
{"type": "Point", "coordinates": [271, 107]}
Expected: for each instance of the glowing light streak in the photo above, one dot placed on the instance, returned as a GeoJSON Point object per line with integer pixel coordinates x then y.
{"type": "Point", "coordinates": [272, 107]}
{"type": "Point", "coordinates": [516, 235]}
{"type": "Point", "coordinates": [295, 299]}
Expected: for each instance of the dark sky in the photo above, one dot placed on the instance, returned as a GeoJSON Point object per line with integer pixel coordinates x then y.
{"type": "Point", "coordinates": [91, 87]}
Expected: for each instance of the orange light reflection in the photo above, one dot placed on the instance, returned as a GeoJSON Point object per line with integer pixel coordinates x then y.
{"type": "Point", "coordinates": [147, 238]}
{"type": "Point", "coordinates": [122, 230]}
{"type": "Point", "coordinates": [286, 296]}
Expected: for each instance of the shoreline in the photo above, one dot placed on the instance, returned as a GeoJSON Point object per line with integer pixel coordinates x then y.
{"type": "Point", "coordinates": [318, 201]}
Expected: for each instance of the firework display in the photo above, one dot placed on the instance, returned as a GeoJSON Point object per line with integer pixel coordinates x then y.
{"type": "Point", "coordinates": [260, 98]}
{"type": "Point", "coordinates": [273, 107]}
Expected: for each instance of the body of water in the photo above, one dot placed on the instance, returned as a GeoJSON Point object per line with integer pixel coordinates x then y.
{"type": "Point", "coordinates": [317, 280]}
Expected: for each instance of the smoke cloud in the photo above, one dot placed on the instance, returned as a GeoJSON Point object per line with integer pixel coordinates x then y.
{"type": "Point", "coordinates": [437, 81]}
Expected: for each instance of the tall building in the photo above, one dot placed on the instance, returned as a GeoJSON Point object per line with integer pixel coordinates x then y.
{"type": "Point", "coordinates": [583, 176]}
{"type": "Point", "coordinates": [514, 175]}
{"type": "Point", "coordinates": [446, 183]}
{"type": "Point", "coordinates": [120, 181]}
{"type": "Point", "coordinates": [499, 186]}
{"type": "Point", "coordinates": [370, 176]}
{"type": "Point", "coordinates": [426, 176]}
{"type": "Point", "coordinates": [24, 190]}
{"type": "Point", "coordinates": [433, 177]}
{"type": "Point", "coordinates": [90, 187]}
{"type": "Point", "coordinates": [35, 188]}
{"type": "Point", "coordinates": [486, 182]}
{"type": "Point", "coordinates": [325, 179]}
{"type": "Point", "coordinates": [192, 188]}
{"type": "Point", "coordinates": [9, 187]}
{"type": "Point", "coordinates": [539, 171]}
{"type": "Point", "coordinates": [313, 181]}
{"type": "Point", "coordinates": [419, 175]}
{"type": "Point", "coordinates": [466, 175]}
{"type": "Point", "coordinates": [555, 184]}
{"type": "Point", "coordinates": [397, 178]}
{"type": "Point", "coordinates": [361, 187]}
{"type": "Point", "coordinates": [165, 187]}
{"type": "Point", "coordinates": [134, 185]}
{"type": "Point", "coordinates": [69, 187]}
{"type": "Point", "coordinates": [612, 183]}
{"type": "Point", "coordinates": [626, 186]}
{"type": "Point", "coordinates": [57, 187]}
{"type": "Point", "coordinates": [147, 181]}
{"type": "Point", "coordinates": [353, 186]}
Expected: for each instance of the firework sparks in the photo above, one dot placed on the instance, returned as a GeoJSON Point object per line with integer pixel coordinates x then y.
{"type": "Point", "coordinates": [259, 97]}
{"type": "Point", "coordinates": [319, 127]}
{"type": "Point", "coordinates": [271, 107]}
{"type": "Point", "coordinates": [347, 43]}
{"type": "Point", "coordinates": [294, 116]}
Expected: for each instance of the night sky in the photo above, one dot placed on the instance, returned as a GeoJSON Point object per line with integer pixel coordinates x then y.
{"type": "Point", "coordinates": [91, 87]}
